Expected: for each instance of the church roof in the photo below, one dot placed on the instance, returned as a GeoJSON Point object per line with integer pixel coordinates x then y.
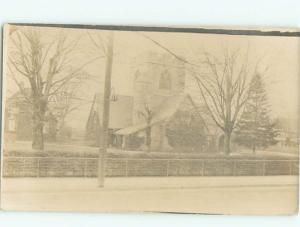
{"type": "Point", "coordinates": [121, 108]}
{"type": "Point", "coordinates": [162, 112]}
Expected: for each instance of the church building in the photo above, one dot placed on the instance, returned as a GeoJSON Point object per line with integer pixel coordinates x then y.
{"type": "Point", "coordinates": [159, 93]}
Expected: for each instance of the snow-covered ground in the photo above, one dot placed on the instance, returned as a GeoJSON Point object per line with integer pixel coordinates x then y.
{"type": "Point", "coordinates": [226, 195]}
{"type": "Point", "coordinates": [25, 146]}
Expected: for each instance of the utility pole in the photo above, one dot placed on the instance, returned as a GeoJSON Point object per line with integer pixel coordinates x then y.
{"type": "Point", "coordinates": [106, 107]}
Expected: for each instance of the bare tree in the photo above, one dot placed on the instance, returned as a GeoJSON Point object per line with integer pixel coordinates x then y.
{"type": "Point", "coordinates": [70, 99]}
{"type": "Point", "coordinates": [224, 88]}
{"type": "Point", "coordinates": [47, 65]}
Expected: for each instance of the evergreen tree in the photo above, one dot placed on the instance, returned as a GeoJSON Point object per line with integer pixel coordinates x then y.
{"type": "Point", "coordinates": [255, 128]}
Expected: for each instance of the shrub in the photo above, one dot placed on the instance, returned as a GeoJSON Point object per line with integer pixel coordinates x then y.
{"type": "Point", "coordinates": [185, 131]}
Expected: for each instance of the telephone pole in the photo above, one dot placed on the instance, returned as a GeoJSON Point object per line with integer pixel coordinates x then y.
{"type": "Point", "coordinates": [105, 114]}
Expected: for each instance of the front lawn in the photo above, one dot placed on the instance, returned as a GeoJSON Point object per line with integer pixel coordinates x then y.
{"type": "Point", "coordinates": [23, 149]}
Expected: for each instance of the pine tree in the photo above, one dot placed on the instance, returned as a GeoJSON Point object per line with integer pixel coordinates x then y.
{"type": "Point", "coordinates": [255, 128]}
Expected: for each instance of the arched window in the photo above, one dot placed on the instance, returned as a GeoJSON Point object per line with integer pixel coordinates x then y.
{"type": "Point", "coordinates": [165, 81]}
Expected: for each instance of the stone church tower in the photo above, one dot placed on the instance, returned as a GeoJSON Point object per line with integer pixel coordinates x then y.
{"type": "Point", "coordinates": [156, 77]}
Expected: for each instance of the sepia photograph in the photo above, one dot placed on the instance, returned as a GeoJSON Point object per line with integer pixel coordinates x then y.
{"type": "Point", "coordinates": [149, 119]}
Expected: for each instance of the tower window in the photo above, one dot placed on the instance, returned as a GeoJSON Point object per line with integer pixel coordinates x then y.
{"type": "Point", "coordinates": [165, 81]}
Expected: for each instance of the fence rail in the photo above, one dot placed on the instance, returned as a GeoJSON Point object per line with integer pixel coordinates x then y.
{"type": "Point", "coordinates": [123, 167]}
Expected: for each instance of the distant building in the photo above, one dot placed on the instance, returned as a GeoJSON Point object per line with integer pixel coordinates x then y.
{"type": "Point", "coordinates": [287, 133]}
{"type": "Point", "coordinates": [163, 113]}
{"type": "Point", "coordinates": [18, 118]}
{"type": "Point", "coordinates": [159, 82]}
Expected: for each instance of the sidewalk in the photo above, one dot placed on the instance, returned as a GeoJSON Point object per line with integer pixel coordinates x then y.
{"type": "Point", "coordinates": [214, 195]}
{"type": "Point", "coordinates": [143, 183]}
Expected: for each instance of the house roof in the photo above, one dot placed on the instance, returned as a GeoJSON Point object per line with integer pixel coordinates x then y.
{"type": "Point", "coordinates": [163, 111]}
{"type": "Point", "coordinates": [121, 108]}
{"type": "Point", "coordinates": [20, 96]}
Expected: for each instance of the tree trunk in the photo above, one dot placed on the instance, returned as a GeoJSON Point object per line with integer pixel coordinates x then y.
{"type": "Point", "coordinates": [227, 141]}
{"type": "Point", "coordinates": [253, 148]}
{"type": "Point", "coordinates": [148, 138]}
{"type": "Point", "coordinates": [37, 130]}
{"type": "Point", "coordinates": [228, 123]}
{"type": "Point", "coordinates": [38, 137]}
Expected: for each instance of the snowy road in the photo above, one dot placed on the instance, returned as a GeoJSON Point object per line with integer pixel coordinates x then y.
{"type": "Point", "coordinates": [239, 195]}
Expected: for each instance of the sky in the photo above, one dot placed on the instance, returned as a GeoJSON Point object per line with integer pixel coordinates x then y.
{"type": "Point", "coordinates": [278, 58]}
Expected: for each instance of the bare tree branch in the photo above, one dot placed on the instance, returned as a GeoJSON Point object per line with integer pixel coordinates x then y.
{"type": "Point", "coordinates": [45, 65]}
{"type": "Point", "coordinates": [98, 45]}
{"type": "Point", "coordinates": [224, 89]}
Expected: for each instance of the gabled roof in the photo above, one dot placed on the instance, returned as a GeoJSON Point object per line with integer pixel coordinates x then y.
{"type": "Point", "coordinates": [120, 110]}
{"type": "Point", "coordinates": [165, 110]}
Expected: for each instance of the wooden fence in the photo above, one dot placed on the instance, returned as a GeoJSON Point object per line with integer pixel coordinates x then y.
{"type": "Point", "coordinates": [121, 167]}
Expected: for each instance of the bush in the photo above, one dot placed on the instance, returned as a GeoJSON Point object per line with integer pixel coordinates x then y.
{"type": "Point", "coordinates": [186, 131]}
{"type": "Point", "coordinates": [134, 142]}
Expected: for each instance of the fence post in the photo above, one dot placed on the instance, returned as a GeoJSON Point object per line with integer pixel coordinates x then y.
{"type": "Point", "coordinates": [234, 168]}
{"type": "Point", "coordinates": [126, 167]}
{"type": "Point", "coordinates": [168, 165]}
{"type": "Point", "coordinates": [291, 167]}
{"type": "Point", "coordinates": [203, 167]}
{"type": "Point", "coordinates": [38, 168]}
{"type": "Point", "coordinates": [23, 166]}
{"type": "Point", "coordinates": [85, 167]}
{"type": "Point", "coordinates": [264, 168]}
